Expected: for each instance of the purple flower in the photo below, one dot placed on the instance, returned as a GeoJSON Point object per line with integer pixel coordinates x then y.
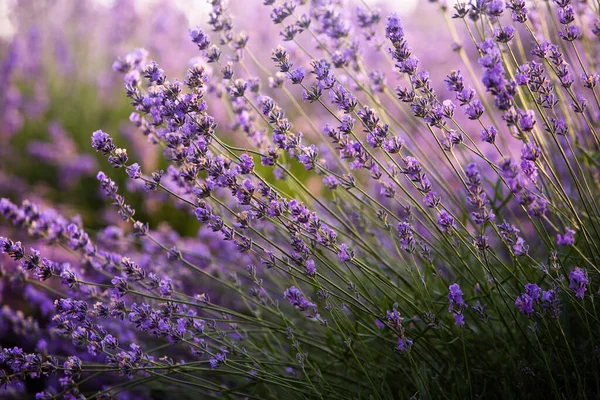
{"type": "Point", "coordinates": [118, 158]}
{"type": "Point", "coordinates": [245, 219]}
{"type": "Point", "coordinates": [489, 135]}
{"type": "Point", "coordinates": [246, 164]}
{"type": "Point", "coordinates": [404, 344]}
{"type": "Point", "coordinates": [526, 301]}
{"type": "Point", "coordinates": [456, 303]}
{"type": "Point", "coordinates": [566, 15]}
{"type": "Point", "coordinates": [530, 152]}
{"type": "Point", "coordinates": [154, 74]}
{"type": "Point", "coordinates": [590, 80]}
{"type": "Point", "coordinates": [68, 278]}
{"type": "Point", "coordinates": [199, 37]}
{"type": "Point", "coordinates": [520, 248]}
{"type": "Point", "coordinates": [525, 304]}
{"type": "Point", "coordinates": [566, 239]}
{"type": "Point", "coordinates": [296, 76]}
{"type": "Point", "coordinates": [311, 270]}
{"type": "Point", "coordinates": [121, 286]}
{"type": "Point", "coordinates": [393, 28]}
{"type": "Point", "coordinates": [551, 302]}
{"type": "Point", "coordinates": [331, 182]}
{"type": "Point", "coordinates": [308, 156]}
{"type": "Point", "coordinates": [297, 299]}
{"type": "Point", "coordinates": [343, 99]}
{"type": "Point", "coordinates": [134, 171]}
{"type": "Point", "coordinates": [279, 14]}
{"type": "Point", "coordinates": [165, 287]}
{"type": "Point", "coordinates": [459, 319]}
{"type": "Point", "coordinates": [578, 281]}
{"type": "Point", "coordinates": [219, 358]}
{"type": "Point", "coordinates": [101, 141]}
{"type": "Point", "coordinates": [533, 291]}
{"type": "Point", "coordinates": [446, 222]}
{"type": "Point", "coordinates": [455, 82]}
{"type": "Point", "coordinates": [526, 120]}
{"type": "Point", "coordinates": [72, 366]}
{"type": "Point", "coordinates": [495, 8]}
{"type": "Point", "coordinates": [407, 240]}
{"type": "Point", "coordinates": [474, 110]}
{"type": "Point", "coordinates": [570, 33]}
{"type": "Point", "coordinates": [504, 34]}
{"type": "Point", "coordinates": [345, 254]}
{"type": "Point", "coordinates": [12, 249]}
{"type": "Point", "coordinates": [559, 126]}
{"type": "Point", "coordinates": [580, 104]}
{"type": "Point", "coordinates": [455, 297]}
{"type": "Point", "coordinates": [519, 11]}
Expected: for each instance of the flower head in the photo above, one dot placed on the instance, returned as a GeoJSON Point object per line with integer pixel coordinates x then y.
{"type": "Point", "coordinates": [578, 281]}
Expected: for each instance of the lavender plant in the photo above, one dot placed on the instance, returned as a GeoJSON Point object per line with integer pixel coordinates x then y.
{"type": "Point", "coordinates": [429, 235]}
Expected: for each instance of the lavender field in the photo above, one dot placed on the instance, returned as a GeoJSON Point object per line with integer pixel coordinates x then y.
{"type": "Point", "coordinates": [301, 199]}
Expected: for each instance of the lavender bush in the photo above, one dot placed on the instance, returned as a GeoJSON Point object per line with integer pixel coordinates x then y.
{"type": "Point", "coordinates": [370, 219]}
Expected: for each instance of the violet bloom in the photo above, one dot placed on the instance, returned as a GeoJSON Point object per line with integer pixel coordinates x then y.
{"type": "Point", "coordinates": [489, 135]}
{"type": "Point", "coordinates": [533, 290]}
{"type": "Point", "coordinates": [510, 234]}
{"type": "Point", "coordinates": [297, 299]}
{"type": "Point", "coordinates": [525, 304]}
{"type": "Point", "coordinates": [519, 11]}
{"type": "Point", "coordinates": [578, 281]}
{"type": "Point", "coordinates": [165, 287]}
{"type": "Point", "coordinates": [121, 287]}
{"type": "Point", "coordinates": [395, 320]}
{"type": "Point", "coordinates": [566, 239]}
{"type": "Point", "coordinates": [504, 34]}
{"type": "Point", "coordinates": [407, 240]}
{"type": "Point", "coordinates": [520, 248]}
{"type": "Point", "coordinates": [393, 28]}
{"type": "Point", "coordinates": [404, 344]}
{"type": "Point", "coordinates": [474, 110]}
{"type": "Point", "coordinates": [311, 270]}
{"type": "Point", "coordinates": [457, 304]}
{"type": "Point", "coordinates": [101, 141]}
{"type": "Point", "coordinates": [296, 76]}
{"type": "Point", "coordinates": [590, 80]}
{"type": "Point", "coordinates": [200, 38]}
{"type": "Point", "coordinates": [219, 358]}
{"type": "Point", "coordinates": [526, 120]}
{"type": "Point", "coordinates": [345, 254]}
{"type": "Point", "coordinates": [118, 158]}
{"type": "Point", "coordinates": [72, 366]}
{"type": "Point", "coordinates": [134, 171]}
{"type": "Point", "coordinates": [246, 164]}
{"type": "Point", "coordinates": [551, 302]}
{"type": "Point", "coordinates": [343, 99]}
{"type": "Point", "coordinates": [331, 182]}
{"type": "Point", "coordinates": [446, 222]}
{"type": "Point", "coordinates": [526, 301]}
{"type": "Point", "coordinates": [12, 249]}
{"type": "Point", "coordinates": [570, 33]}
